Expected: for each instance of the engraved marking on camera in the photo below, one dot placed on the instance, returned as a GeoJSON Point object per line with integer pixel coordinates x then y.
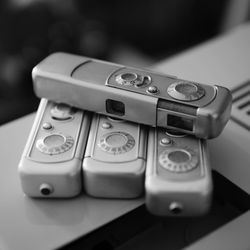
{"type": "Point", "coordinates": [146, 81]}
{"type": "Point", "coordinates": [54, 144]}
{"type": "Point", "coordinates": [185, 91]}
{"type": "Point", "coordinates": [116, 142]}
{"type": "Point", "coordinates": [178, 160]}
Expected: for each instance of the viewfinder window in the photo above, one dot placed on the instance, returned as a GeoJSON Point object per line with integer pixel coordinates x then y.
{"type": "Point", "coordinates": [115, 107]}
{"type": "Point", "coordinates": [180, 122]}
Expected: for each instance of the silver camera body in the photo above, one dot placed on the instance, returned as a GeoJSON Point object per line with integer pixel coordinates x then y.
{"type": "Point", "coordinates": [51, 162]}
{"type": "Point", "coordinates": [109, 157]}
{"type": "Point", "coordinates": [133, 94]}
{"type": "Point", "coordinates": [115, 159]}
{"type": "Point", "coordinates": [178, 174]}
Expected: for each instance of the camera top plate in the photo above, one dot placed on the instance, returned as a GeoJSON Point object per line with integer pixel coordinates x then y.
{"type": "Point", "coordinates": [164, 87]}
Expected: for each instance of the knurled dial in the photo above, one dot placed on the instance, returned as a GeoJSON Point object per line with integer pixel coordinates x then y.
{"type": "Point", "coordinates": [133, 79]}
{"type": "Point", "coordinates": [116, 142]}
{"type": "Point", "coordinates": [54, 144]}
{"type": "Point", "coordinates": [178, 160]}
{"type": "Point", "coordinates": [185, 91]}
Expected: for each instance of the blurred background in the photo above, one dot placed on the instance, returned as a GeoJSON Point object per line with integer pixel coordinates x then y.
{"type": "Point", "coordinates": [136, 33]}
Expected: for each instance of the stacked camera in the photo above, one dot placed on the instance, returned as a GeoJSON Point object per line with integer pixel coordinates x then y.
{"type": "Point", "coordinates": [121, 132]}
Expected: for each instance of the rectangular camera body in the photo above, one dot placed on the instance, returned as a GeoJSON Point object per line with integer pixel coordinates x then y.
{"type": "Point", "coordinates": [178, 178]}
{"type": "Point", "coordinates": [50, 166]}
{"type": "Point", "coordinates": [133, 94]}
{"type": "Point", "coordinates": [115, 158]}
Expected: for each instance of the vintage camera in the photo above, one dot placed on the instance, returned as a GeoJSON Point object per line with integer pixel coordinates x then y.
{"type": "Point", "coordinates": [178, 175]}
{"type": "Point", "coordinates": [51, 163]}
{"type": "Point", "coordinates": [133, 94]}
{"type": "Point", "coordinates": [115, 158]}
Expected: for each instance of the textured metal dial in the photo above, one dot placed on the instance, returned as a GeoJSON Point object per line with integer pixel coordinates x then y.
{"type": "Point", "coordinates": [133, 79]}
{"type": "Point", "coordinates": [54, 144]}
{"type": "Point", "coordinates": [185, 91]}
{"type": "Point", "coordinates": [178, 160]}
{"type": "Point", "coordinates": [116, 142]}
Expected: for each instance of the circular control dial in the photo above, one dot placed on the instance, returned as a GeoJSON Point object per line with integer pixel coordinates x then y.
{"type": "Point", "coordinates": [54, 144]}
{"type": "Point", "coordinates": [178, 160]}
{"type": "Point", "coordinates": [116, 142]}
{"type": "Point", "coordinates": [62, 112]}
{"type": "Point", "coordinates": [131, 78]}
{"type": "Point", "coordinates": [185, 91]}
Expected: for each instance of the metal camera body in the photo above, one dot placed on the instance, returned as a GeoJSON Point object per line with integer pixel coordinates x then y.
{"type": "Point", "coordinates": [51, 162]}
{"type": "Point", "coordinates": [133, 94]}
{"type": "Point", "coordinates": [115, 158]}
{"type": "Point", "coordinates": [178, 178]}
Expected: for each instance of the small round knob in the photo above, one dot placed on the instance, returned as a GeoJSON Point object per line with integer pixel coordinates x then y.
{"type": "Point", "coordinates": [152, 90]}
{"type": "Point", "coordinates": [47, 126]}
{"type": "Point", "coordinates": [106, 125]}
{"type": "Point", "coordinates": [175, 207]}
{"type": "Point", "coordinates": [46, 189]}
{"type": "Point", "coordinates": [165, 141]}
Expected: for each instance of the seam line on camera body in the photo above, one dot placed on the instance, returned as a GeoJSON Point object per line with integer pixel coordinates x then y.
{"type": "Point", "coordinates": [177, 107]}
{"type": "Point", "coordinates": [78, 66]}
